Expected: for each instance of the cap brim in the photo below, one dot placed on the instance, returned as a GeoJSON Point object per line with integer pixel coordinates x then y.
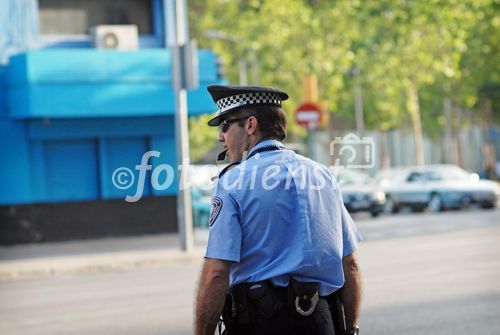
{"type": "Point", "coordinates": [215, 121]}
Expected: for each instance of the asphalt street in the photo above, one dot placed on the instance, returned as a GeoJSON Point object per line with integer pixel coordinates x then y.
{"type": "Point", "coordinates": [423, 274]}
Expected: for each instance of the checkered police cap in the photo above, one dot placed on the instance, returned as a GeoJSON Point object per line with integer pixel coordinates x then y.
{"type": "Point", "coordinates": [228, 98]}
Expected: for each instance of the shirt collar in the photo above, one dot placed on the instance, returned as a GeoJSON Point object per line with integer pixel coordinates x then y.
{"type": "Point", "coordinates": [266, 143]}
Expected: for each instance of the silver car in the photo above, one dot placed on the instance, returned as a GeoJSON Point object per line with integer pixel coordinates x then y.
{"type": "Point", "coordinates": [437, 187]}
{"type": "Point", "coordinates": [360, 193]}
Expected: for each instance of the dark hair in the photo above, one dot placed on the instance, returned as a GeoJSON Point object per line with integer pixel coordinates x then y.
{"type": "Point", "coordinates": [272, 120]}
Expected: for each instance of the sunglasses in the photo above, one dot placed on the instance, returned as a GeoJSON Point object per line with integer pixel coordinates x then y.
{"type": "Point", "coordinates": [224, 125]}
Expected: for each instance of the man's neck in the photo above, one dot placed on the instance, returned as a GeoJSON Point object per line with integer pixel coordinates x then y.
{"type": "Point", "coordinates": [253, 143]}
{"type": "Point", "coordinates": [262, 139]}
{"type": "Point", "coordinates": [257, 141]}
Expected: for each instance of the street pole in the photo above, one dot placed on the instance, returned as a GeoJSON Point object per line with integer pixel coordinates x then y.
{"type": "Point", "coordinates": [255, 67]}
{"type": "Point", "coordinates": [177, 36]}
{"type": "Point", "coordinates": [358, 102]}
{"type": "Point", "coordinates": [243, 72]}
{"type": "Point", "coordinates": [310, 87]}
{"type": "Point", "coordinates": [311, 139]}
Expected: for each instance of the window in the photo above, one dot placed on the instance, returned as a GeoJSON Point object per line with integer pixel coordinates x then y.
{"type": "Point", "coordinates": [76, 17]}
{"type": "Point", "coordinates": [415, 177]}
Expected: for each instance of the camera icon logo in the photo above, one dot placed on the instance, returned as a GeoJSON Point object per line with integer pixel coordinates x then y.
{"type": "Point", "coordinates": [353, 152]}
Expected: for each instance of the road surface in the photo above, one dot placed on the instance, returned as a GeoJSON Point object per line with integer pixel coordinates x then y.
{"type": "Point", "coordinates": [423, 274]}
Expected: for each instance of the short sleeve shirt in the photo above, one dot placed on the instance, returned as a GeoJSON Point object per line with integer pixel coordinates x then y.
{"type": "Point", "coordinates": [279, 215]}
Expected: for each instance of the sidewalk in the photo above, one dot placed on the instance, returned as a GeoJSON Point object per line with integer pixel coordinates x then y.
{"type": "Point", "coordinates": [31, 260]}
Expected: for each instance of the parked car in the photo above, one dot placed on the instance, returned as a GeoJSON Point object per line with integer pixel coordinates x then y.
{"type": "Point", "coordinates": [436, 187]}
{"type": "Point", "coordinates": [360, 193]}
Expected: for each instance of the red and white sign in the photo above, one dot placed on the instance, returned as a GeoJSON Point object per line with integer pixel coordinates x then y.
{"type": "Point", "coordinates": [308, 115]}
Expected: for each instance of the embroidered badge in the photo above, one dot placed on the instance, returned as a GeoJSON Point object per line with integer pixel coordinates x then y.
{"type": "Point", "coordinates": [215, 210]}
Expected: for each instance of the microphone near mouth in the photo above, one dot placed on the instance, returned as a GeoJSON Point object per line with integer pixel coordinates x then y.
{"type": "Point", "coordinates": [222, 156]}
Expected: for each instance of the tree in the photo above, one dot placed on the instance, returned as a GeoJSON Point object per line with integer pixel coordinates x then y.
{"type": "Point", "coordinates": [413, 55]}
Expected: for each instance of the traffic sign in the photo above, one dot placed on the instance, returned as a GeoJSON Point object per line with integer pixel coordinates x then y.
{"type": "Point", "coordinates": [308, 115]}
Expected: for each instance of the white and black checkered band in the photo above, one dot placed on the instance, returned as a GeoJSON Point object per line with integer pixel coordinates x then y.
{"type": "Point", "coordinates": [265, 98]}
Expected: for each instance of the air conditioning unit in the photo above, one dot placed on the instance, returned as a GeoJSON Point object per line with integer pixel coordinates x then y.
{"type": "Point", "coordinates": [118, 37]}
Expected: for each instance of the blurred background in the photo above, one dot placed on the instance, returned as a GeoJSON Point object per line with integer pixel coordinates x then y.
{"type": "Point", "coordinates": [87, 88]}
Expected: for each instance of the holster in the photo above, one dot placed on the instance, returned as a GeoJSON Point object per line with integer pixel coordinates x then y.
{"type": "Point", "coordinates": [228, 317]}
{"type": "Point", "coordinates": [302, 297]}
{"type": "Point", "coordinates": [243, 314]}
{"type": "Point", "coordinates": [266, 298]}
{"type": "Point", "coordinates": [251, 301]}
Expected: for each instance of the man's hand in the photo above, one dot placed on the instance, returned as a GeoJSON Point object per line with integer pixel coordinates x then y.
{"type": "Point", "coordinates": [212, 290]}
{"type": "Point", "coordinates": [352, 291]}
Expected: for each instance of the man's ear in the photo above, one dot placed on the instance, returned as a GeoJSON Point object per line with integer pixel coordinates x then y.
{"type": "Point", "coordinates": [252, 125]}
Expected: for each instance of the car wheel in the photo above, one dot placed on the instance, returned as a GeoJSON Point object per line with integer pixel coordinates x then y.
{"type": "Point", "coordinates": [435, 203]}
{"type": "Point", "coordinates": [374, 214]}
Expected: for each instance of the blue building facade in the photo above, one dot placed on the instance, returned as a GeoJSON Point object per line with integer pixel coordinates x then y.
{"type": "Point", "coordinates": [70, 115]}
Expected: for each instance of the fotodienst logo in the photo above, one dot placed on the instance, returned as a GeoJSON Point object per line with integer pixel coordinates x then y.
{"type": "Point", "coordinates": [123, 178]}
{"type": "Point", "coordinates": [353, 152]}
{"type": "Point", "coordinates": [349, 151]}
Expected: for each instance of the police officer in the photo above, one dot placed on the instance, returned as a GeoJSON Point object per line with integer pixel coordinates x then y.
{"type": "Point", "coordinates": [280, 239]}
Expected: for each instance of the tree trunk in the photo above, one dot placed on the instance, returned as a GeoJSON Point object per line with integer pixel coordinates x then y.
{"type": "Point", "coordinates": [452, 114]}
{"type": "Point", "coordinates": [488, 148]}
{"type": "Point", "coordinates": [414, 109]}
{"type": "Point", "coordinates": [448, 146]}
{"type": "Point", "coordinates": [457, 126]}
{"type": "Point", "coordinates": [385, 160]}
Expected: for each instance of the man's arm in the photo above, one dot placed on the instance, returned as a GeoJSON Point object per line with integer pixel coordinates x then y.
{"type": "Point", "coordinates": [352, 291]}
{"type": "Point", "coordinates": [212, 290]}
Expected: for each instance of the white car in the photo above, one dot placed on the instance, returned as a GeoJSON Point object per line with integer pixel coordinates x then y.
{"type": "Point", "coordinates": [437, 187]}
{"type": "Point", "coordinates": [359, 192]}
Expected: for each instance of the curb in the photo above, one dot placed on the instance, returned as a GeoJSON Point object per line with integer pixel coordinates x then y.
{"type": "Point", "coordinates": [95, 263]}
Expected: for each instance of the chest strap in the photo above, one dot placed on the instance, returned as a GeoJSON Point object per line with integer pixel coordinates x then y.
{"type": "Point", "coordinates": [265, 148]}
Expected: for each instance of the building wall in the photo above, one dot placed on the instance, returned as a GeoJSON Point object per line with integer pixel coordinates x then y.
{"type": "Point", "coordinates": [18, 27]}
{"type": "Point", "coordinates": [70, 115]}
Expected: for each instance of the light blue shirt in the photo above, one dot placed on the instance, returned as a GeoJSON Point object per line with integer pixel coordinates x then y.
{"type": "Point", "coordinates": [279, 215]}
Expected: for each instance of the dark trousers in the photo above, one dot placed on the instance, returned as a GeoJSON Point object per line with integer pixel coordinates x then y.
{"type": "Point", "coordinates": [286, 323]}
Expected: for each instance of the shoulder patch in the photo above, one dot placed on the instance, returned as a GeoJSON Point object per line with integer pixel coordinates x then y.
{"type": "Point", "coordinates": [215, 210]}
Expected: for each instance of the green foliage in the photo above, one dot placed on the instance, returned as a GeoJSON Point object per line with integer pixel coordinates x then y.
{"type": "Point", "coordinates": [202, 138]}
{"type": "Point", "coordinates": [442, 48]}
